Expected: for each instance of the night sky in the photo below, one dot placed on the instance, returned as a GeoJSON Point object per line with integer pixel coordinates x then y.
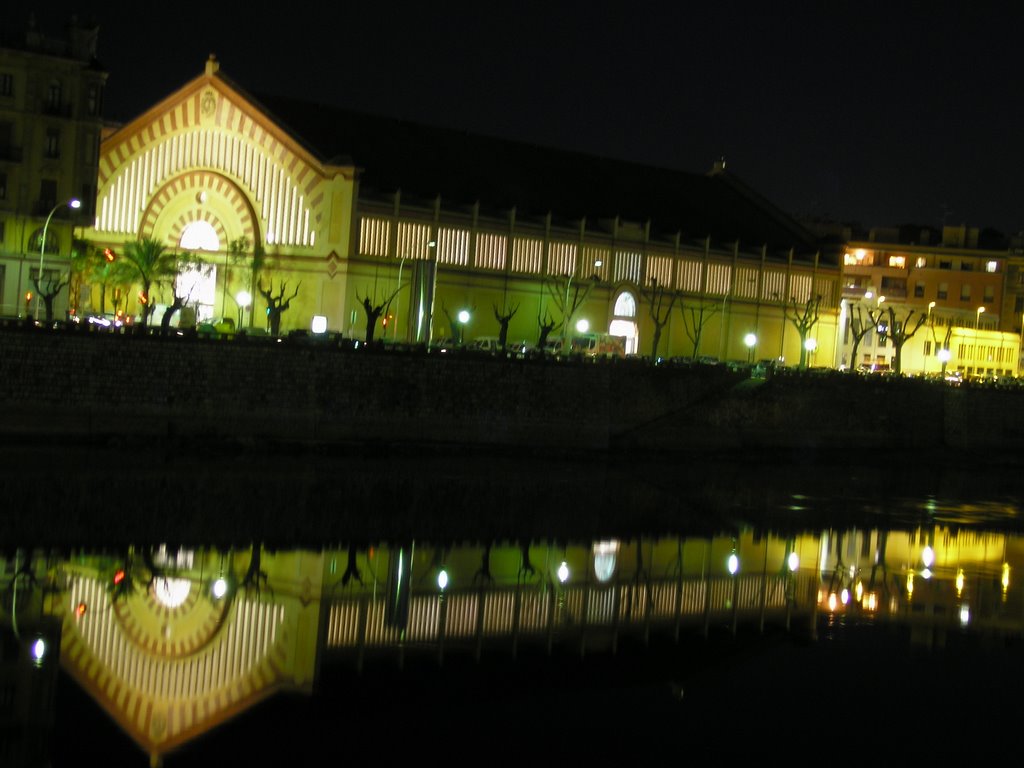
{"type": "Point", "coordinates": [852, 112]}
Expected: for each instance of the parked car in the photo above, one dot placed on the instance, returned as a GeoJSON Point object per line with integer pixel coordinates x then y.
{"type": "Point", "coordinates": [215, 328]}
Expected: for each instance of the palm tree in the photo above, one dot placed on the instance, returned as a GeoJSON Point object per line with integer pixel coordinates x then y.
{"type": "Point", "coordinates": [152, 262]}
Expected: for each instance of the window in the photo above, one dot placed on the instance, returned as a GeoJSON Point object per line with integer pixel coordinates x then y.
{"type": "Point", "coordinates": [47, 194]}
{"type": "Point", "coordinates": [3, 186]}
{"type": "Point", "coordinates": [966, 266]}
{"type": "Point", "coordinates": [35, 242]}
{"type": "Point", "coordinates": [6, 84]}
{"type": "Point", "coordinates": [945, 264]}
{"type": "Point", "coordinates": [918, 290]}
{"type": "Point", "coordinates": [990, 294]}
{"type": "Point", "coordinates": [943, 291]}
{"type": "Point", "coordinates": [965, 292]}
{"type": "Point", "coordinates": [53, 94]}
{"type": "Point", "coordinates": [898, 261]}
{"type": "Point", "coordinates": [921, 262]}
{"type": "Point", "coordinates": [927, 348]}
{"type": "Point", "coordinates": [991, 266]}
{"type": "Point", "coordinates": [53, 143]}
{"type": "Point", "coordinates": [94, 100]}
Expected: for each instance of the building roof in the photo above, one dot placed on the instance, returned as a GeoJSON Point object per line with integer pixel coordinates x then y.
{"type": "Point", "coordinates": [462, 168]}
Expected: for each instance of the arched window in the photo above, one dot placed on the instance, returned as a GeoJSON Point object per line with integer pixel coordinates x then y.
{"type": "Point", "coordinates": [200, 236]}
{"type": "Point", "coordinates": [624, 321]}
{"type": "Point", "coordinates": [36, 240]}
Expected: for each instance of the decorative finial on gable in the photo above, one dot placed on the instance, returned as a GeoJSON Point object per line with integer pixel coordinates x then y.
{"type": "Point", "coordinates": [212, 65]}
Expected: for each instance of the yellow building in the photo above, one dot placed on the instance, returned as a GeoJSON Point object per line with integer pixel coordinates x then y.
{"type": "Point", "coordinates": [350, 210]}
{"type": "Point", "coordinates": [51, 94]}
{"type": "Point", "coordinates": [952, 292]}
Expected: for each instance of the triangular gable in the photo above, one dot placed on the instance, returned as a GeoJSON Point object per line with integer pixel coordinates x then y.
{"type": "Point", "coordinates": [210, 132]}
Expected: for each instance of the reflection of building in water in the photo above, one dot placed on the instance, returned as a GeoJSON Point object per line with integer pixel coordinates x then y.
{"type": "Point", "coordinates": [173, 644]}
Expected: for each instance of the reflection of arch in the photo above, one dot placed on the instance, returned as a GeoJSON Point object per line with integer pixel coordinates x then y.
{"type": "Point", "coordinates": [35, 240]}
{"type": "Point", "coordinates": [624, 320]}
{"type": "Point", "coordinates": [204, 196]}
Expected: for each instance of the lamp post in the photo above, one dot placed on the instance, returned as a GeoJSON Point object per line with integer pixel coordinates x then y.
{"type": "Point", "coordinates": [928, 321]}
{"type": "Point", "coordinates": [463, 319]}
{"type": "Point", "coordinates": [977, 318]}
{"type": "Point", "coordinates": [243, 299]}
{"type": "Point", "coordinates": [75, 203]}
{"type": "Point", "coordinates": [750, 340]}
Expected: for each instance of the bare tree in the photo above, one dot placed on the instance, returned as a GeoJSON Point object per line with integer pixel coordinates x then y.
{"type": "Point", "coordinates": [804, 318]}
{"type": "Point", "coordinates": [901, 330]}
{"type": "Point", "coordinates": [569, 294]}
{"type": "Point", "coordinates": [660, 300]}
{"type": "Point", "coordinates": [277, 305]}
{"type": "Point", "coordinates": [694, 320]}
{"type": "Point", "coordinates": [504, 317]}
{"type": "Point", "coordinates": [47, 290]}
{"type": "Point", "coordinates": [547, 325]}
{"type": "Point", "coordinates": [859, 329]}
{"type": "Point", "coordinates": [375, 310]}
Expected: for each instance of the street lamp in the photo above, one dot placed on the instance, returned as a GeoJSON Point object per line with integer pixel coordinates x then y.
{"type": "Point", "coordinates": [582, 325]}
{"type": "Point", "coordinates": [977, 318]}
{"type": "Point", "coordinates": [751, 341]}
{"type": "Point", "coordinates": [463, 319]}
{"type": "Point", "coordinates": [75, 203]}
{"type": "Point", "coordinates": [243, 299]}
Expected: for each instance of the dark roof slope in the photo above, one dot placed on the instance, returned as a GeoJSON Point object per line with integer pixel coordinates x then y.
{"type": "Point", "coordinates": [425, 161]}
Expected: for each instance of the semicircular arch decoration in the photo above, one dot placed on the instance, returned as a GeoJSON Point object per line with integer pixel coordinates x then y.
{"type": "Point", "coordinates": [200, 196]}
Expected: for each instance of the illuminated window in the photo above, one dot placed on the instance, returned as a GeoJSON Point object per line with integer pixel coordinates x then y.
{"type": "Point", "coordinates": [898, 261]}
{"type": "Point", "coordinates": [200, 236]}
{"type": "Point", "coordinates": [921, 262]}
{"type": "Point", "coordinates": [171, 592]}
{"type": "Point", "coordinates": [624, 323]}
{"type": "Point", "coordinates": [625, 305]}
{"type": "Point", "coordinates": [990, 266]}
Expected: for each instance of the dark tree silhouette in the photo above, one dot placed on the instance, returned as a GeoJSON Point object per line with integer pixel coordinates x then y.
{"type": "Point", "coordinates": [503, 318]}
{"type": "Point", "coordinates": [48, 291]}
{"type": "Point", "coordinates": [660, 301]}
{"type": "Point", "coordinates": [277, 305]}
{"type": "Point", "coordinates": [547, 325]}
{"type": "Point", "coordinates": [803, 318]}
{"type": "Point", "coordinates": [859, 329]}
{"type": "Point", "coordinates": [569, 294]}
{"type": "Point", "coordinates": [694, 320]}
{"type": "Point", "coordinates": [901, 330]}
{"type": "Point", "coordinates": [374, 311]}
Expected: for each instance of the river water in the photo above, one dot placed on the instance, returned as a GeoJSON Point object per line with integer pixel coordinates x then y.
{"type": "Point", "coordinates": [734, 607]}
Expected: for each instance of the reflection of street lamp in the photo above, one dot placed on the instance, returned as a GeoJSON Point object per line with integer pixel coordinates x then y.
{"type": "Point", "coordinates": [463, 319]}
{"type": "Point", "coordinates": [72, 203]}
{"type": "Point", "coordinates": [750, 340]}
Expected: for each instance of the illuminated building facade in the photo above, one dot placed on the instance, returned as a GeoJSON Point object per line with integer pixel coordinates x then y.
{"type": "Point", "coordinates": [51, 98]}
{"type": "Point", "coordinates": [348, 209]}
{"type": "Point", "coordinates": [958, 288]}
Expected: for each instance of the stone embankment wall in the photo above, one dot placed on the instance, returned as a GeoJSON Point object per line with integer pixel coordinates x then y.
{"type": "Point", "coordinates": [80, 385]}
